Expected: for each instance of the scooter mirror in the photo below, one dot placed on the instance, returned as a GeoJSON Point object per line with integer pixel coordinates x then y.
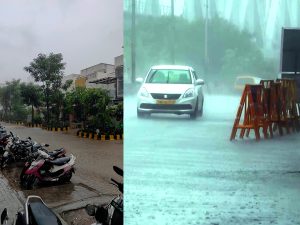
{"type": "Point", "coordinates": [47, 145]}
{"type": "Point", "coordinates": [118, 170]}
{"type": "Point", "coordinates": [90, 209]}
{"type": "Point", "coordinates": [4, 216]}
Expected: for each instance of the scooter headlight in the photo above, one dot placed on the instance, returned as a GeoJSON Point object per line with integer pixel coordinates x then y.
{"type": "Point", "coordinates": [189, 93]}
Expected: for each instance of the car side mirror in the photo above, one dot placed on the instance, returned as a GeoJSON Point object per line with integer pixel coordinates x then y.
{"type": "Point", "coordinates": [139, 80]}
{"type": "Point", "coordinates": [199, 82]}
{"type": "Point", "coordinates": [4, 216]}
{"type": "Point", "coordinates": [90, 209]}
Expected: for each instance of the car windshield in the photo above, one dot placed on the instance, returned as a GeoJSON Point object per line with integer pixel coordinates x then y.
{"type": "Point", "coordinates": [165, 76]}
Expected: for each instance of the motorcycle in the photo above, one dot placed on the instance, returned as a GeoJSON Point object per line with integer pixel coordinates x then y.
{"type": "Point", "coordinates": [45, 169]}
{"type": "Point", "coordinates": [17, 151]}
{"type": "Point", "coordinates": [111, 214]}
{"type": "Point", "coordinates": [35, 212]}
{"type": "Point", "coordinates": [3, 143]}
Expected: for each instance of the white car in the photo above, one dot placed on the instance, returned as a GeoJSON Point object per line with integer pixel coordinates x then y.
{"type": "Point", "coordinates": [170, 89]}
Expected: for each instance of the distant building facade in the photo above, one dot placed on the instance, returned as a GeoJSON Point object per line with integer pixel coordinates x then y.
{"type": "Point", "coordinates": [77, 81]}
{"type": "Point", "coordinates": [106, 76]}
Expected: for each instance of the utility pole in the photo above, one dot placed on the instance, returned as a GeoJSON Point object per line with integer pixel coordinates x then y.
{"type": "Point", "coordinates": [172, 33]}
{"type": "Point", "coordinates": [133, 42]}
{"type": "Point", "coordinates": [206, 60]}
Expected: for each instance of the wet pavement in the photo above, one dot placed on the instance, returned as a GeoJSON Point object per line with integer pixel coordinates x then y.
{"type": "Point", "coordinates": [182, 171]}
{"type": "Point", "coordinates": [91, 180]}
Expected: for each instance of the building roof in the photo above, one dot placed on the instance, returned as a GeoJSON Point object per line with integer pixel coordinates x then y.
{"type": "Point", "coordinates": [106, 80]}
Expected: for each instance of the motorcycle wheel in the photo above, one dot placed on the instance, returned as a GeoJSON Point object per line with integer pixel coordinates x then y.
{"type": "Point", "coordinates": [3, 162]}
{"type": "Point", "coordinates": [66, 178]}
{"type": "Point", "coordinates": [23, 175]}
{"type": "Point", "coordinates": [31, 182]}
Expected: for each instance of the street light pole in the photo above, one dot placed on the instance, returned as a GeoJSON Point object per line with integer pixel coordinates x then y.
{"type": "Point", "coordinates": [133, 42]}
{"type": "Point", "coordinates": [206, 40]}
{"type": "Point", "coordinates": [172, 33]}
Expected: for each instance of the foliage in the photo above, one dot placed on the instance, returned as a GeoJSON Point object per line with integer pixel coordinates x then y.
{"type": "Point", "coordinates": [12, 102]}
{"type": "Point", "coordinates": [49, 71]}
{"type": "Point", "coordinates": [231, 51]}
{"type": "Point", "coordinates": [91, 106]}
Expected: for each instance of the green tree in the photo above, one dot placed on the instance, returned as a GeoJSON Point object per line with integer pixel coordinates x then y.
{"type": "Point", "coordinates": [89, 106]}
{"type": "Point", "coordinates": [230, 51]}
{"type": "Point", "coordinates": [32, 96]}
{"type": "Point", "coordinates": [12, 102]}
{"type": "Point", "coordinates": [49, 71]}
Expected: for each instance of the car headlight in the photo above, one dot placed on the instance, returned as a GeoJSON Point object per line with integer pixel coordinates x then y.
{"type": "Point", "coordinates": [144, 92]}
{"type": "Point", "coordinates": [189, 93]}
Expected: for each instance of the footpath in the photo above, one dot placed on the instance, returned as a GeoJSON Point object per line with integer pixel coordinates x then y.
{"type": "Point", "coordinates": [9, 199]}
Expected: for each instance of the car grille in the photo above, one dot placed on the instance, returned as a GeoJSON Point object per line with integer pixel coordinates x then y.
{"type": "Point", "coordinates": [167, 106]}
{"type": "Point", "coordinates": [162, 96]}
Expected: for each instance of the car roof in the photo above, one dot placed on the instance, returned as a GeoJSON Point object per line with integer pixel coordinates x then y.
{"type": "Point", "coordinates": [176, 67]}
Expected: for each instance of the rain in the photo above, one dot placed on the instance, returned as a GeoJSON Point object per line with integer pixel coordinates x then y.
{"type": "Point", "coordinates": [187, 171]}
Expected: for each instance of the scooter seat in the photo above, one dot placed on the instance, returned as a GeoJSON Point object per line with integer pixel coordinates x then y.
{"type": "Point", "coordinates": [56, 152]}
{"type": "Point", "coordinates": [42, 215]}
{"type": "Point", "coordinates": [60, 161]}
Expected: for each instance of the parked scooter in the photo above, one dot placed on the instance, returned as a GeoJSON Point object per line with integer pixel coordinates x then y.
{"type": "Point", "coordinates": [111, 214]}
{"type": "Point", "coordinates": [37, 153]}
{"type": "Point", "coordinates": [45, 169]}
{"type": "Point", "coordinates": [35, 212]}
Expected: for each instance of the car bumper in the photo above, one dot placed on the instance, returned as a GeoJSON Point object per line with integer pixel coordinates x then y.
{"type": "Point", "coordinates": [180, 106]}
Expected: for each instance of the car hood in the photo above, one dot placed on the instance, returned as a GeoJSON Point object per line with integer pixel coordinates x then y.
{"type": "Point", "coordinates": [167, 88]}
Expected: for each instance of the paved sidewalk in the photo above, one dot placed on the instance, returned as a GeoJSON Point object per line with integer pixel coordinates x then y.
{"type": "Point", "coordinates": [9, 199]}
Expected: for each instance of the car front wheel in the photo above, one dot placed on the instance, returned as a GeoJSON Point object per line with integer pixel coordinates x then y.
{"type": "Point", "coordinates": [193, 115]}
{"type": "Point", "coordinates": [201, 110]}
{"type": "Point", "coordinates": [140, 114]}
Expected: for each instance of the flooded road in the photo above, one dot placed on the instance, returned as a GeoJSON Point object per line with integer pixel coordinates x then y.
{"type": "Point", "coordinates": [182, 171]}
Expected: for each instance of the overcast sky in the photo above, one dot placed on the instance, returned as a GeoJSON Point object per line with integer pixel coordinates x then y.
{"type": "Point", "coordinates": [86, 32]}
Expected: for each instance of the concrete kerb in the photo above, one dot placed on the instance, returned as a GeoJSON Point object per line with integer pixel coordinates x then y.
{"type": "Point", "coordinates": [101, 200]}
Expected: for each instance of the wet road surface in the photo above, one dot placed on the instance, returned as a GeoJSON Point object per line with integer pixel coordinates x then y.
{"type": "Point", "coordinates": [182, 171]}
{"type": "Point", "coordinates": [93, 165]}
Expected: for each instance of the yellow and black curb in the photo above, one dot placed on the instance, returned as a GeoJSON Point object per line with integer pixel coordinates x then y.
{"type": "Point", "coordinates": [89, 135]}
{"type": "Point", "coordinates": [102, 137]}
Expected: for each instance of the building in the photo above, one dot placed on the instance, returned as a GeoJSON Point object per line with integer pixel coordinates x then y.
{"type": "Point", "coordinates": [96, 73]}
{"type": "Point", "coordinates": [108, 77]}
{"type": "Point", "coordinates": [77, 81]}
{"type": "Point", "coordinates": [119, 72]}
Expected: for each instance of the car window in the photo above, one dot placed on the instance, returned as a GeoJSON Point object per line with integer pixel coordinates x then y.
{"type": "Point", "coordinates": [165, 76]}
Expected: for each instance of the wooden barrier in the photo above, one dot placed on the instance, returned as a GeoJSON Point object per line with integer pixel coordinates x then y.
{"type": "Point", "coordinates": [252, 110]}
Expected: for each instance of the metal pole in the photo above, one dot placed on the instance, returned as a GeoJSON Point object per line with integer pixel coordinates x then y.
{"type": "Point", "coordinates": [173, 34]}
{"type": "Point", "coordinates": [133, 41]}
{"type": "Point", "coordinates": [206, 39]}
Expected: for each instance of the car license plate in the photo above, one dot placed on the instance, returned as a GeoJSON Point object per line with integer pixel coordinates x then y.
{"type": "Point", "coordinates": [165, 102]}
